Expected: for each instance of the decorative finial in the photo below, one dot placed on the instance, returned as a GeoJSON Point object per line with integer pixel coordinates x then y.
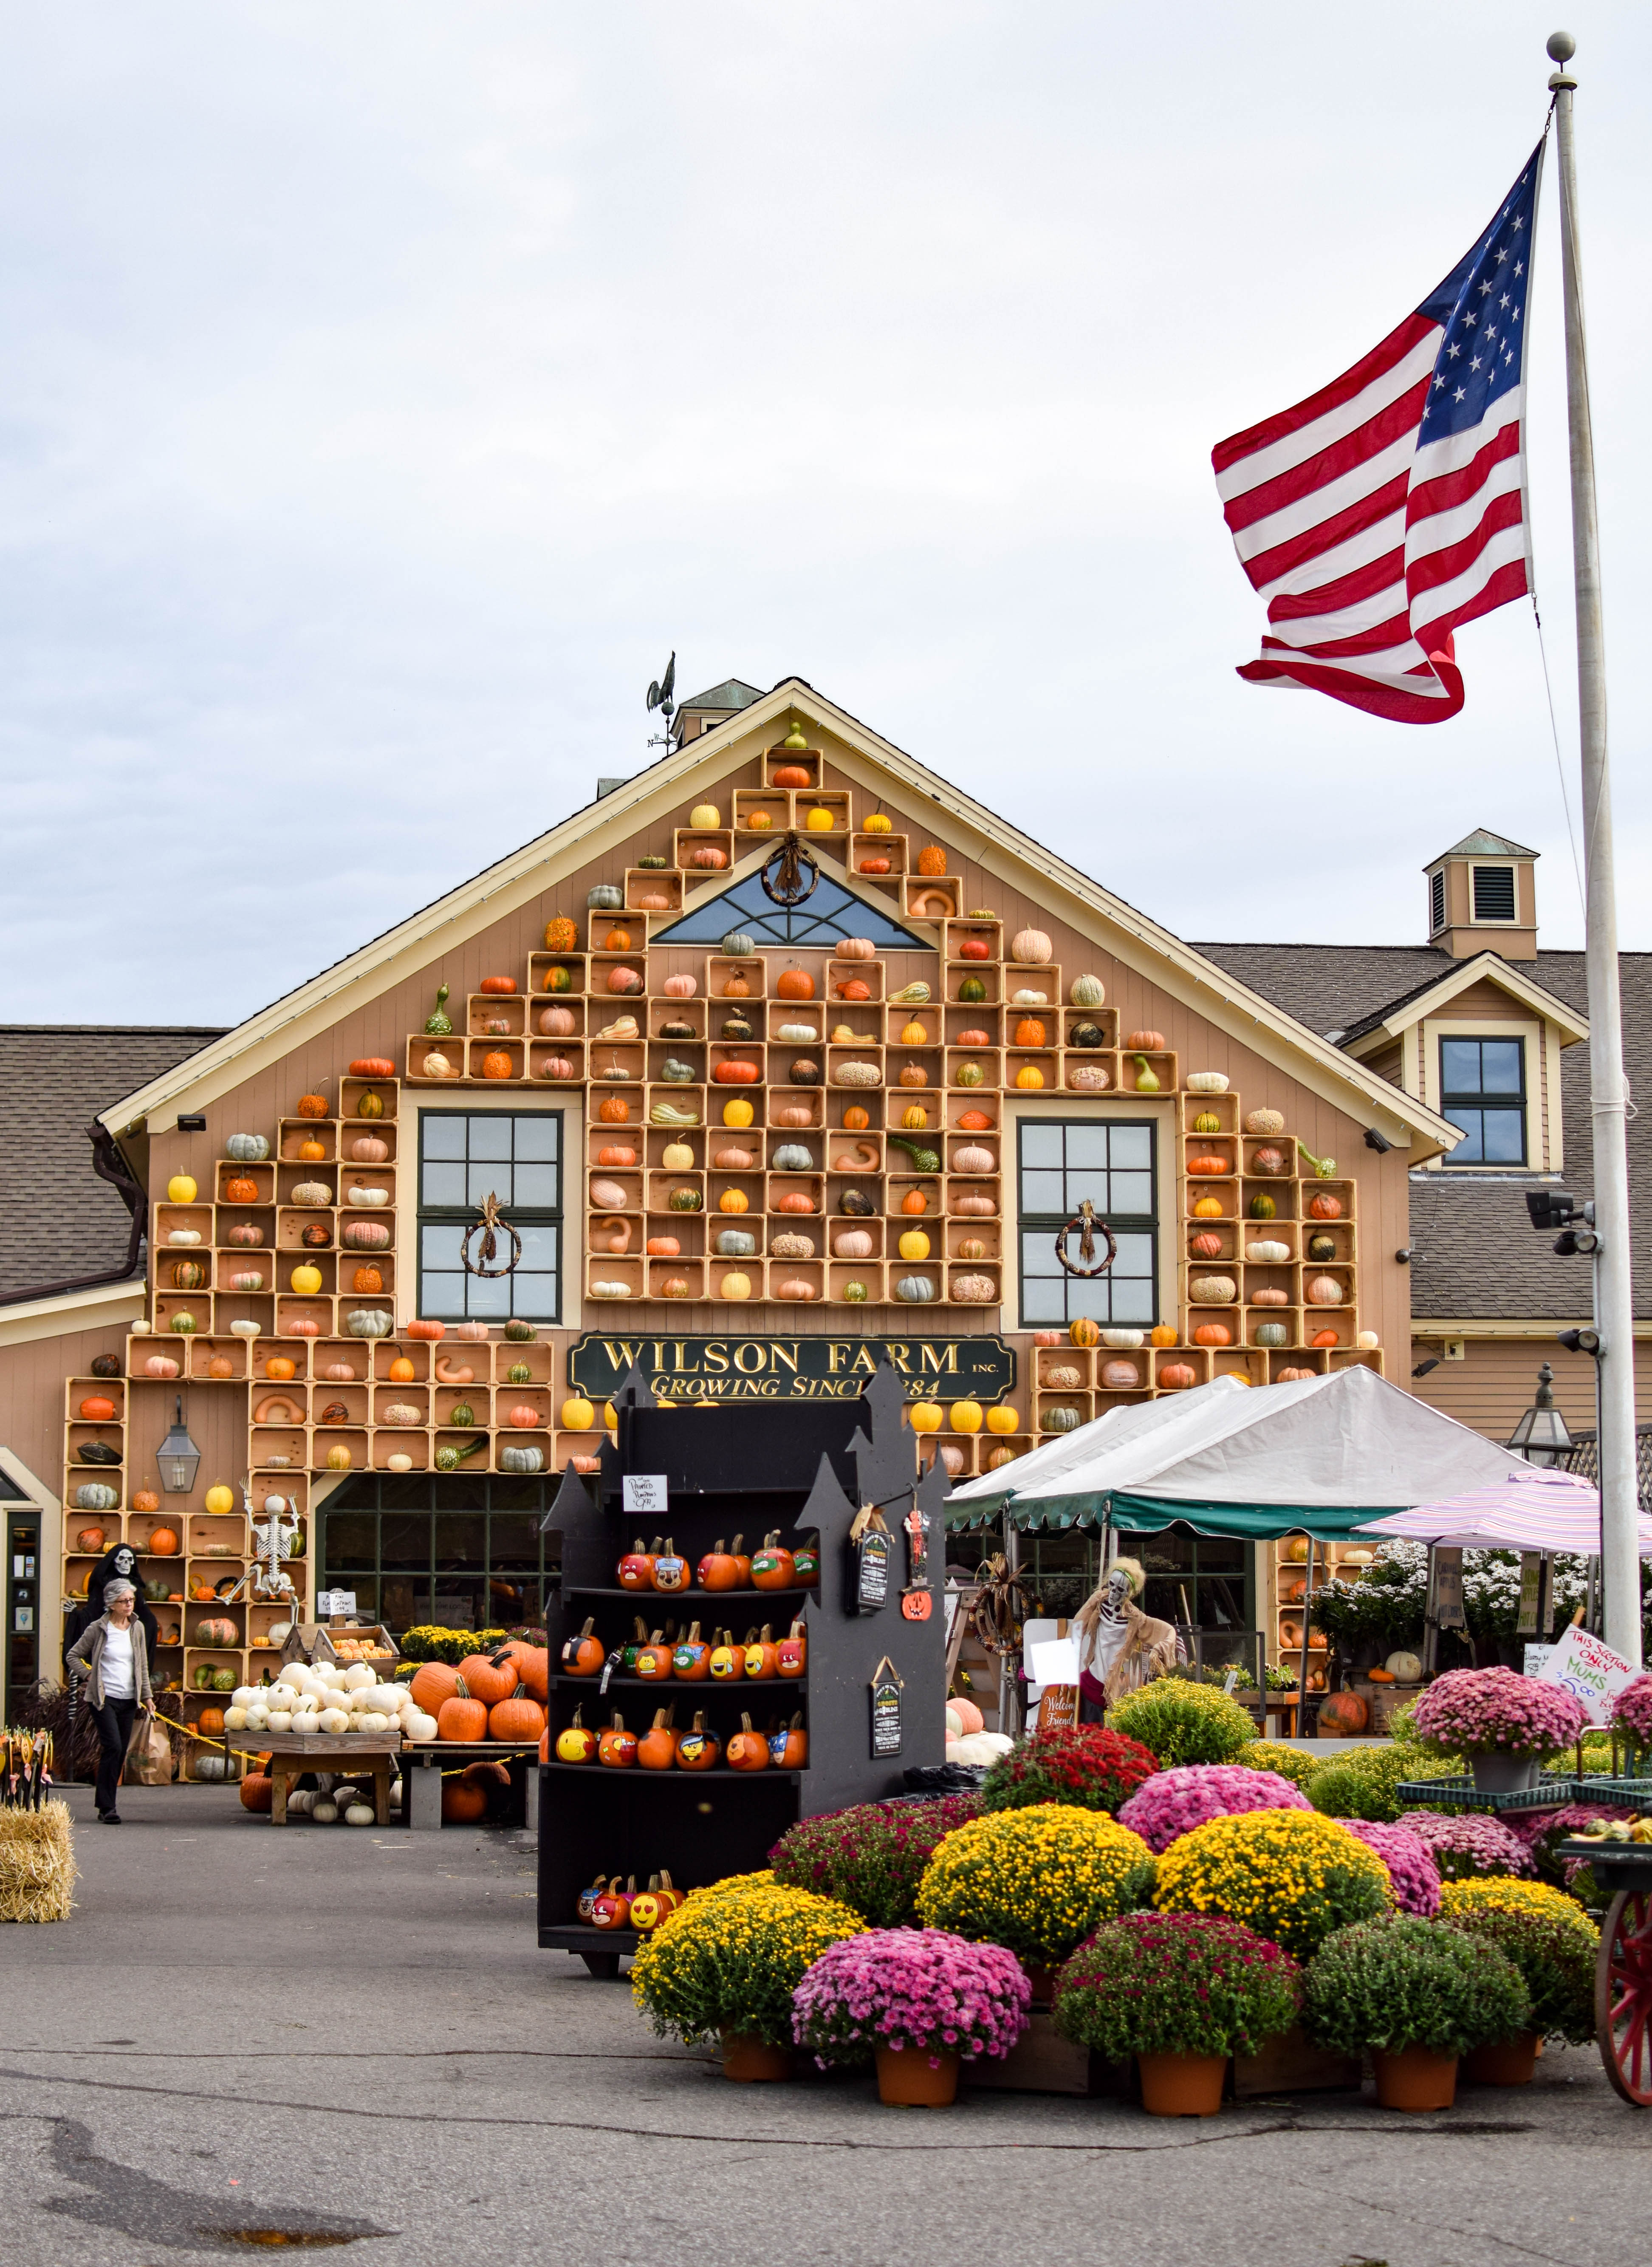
{"type": "Point", "coordinates": [1561, 46]}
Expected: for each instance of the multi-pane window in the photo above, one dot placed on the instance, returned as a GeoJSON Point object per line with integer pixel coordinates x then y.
{"type": "Point", "coordinates": [1483, 1089]}
{"type": "Point", "coordinates": [1060, 1162]}
{"type": "Point", "coordinates": [464, 1157]}
{"type": "Point", "coordinates": [462, 1550]}
{"type": "Point", "coordinates": [1198, 1581]}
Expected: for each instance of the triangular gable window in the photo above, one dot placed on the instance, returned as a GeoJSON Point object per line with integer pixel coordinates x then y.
{"type": "Point", "coordinates": [828, 913]}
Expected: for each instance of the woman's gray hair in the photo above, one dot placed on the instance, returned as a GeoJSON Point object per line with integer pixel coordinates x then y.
{"type": "Point", "coordinates": [117, 1589]}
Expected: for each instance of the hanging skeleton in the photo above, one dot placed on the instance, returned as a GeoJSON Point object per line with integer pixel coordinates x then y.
{"type": "Point", "coordinates": [273, 1539]}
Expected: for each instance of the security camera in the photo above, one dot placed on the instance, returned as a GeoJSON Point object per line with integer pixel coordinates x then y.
{"type": "Point", "coordinates": [1550, 1208]}
{"type": "Point", "coordinates": [1423, 1368]}
{"type": "Point", "coordinates": [1376, 1140]}
{"type": "Point", "coordinates": [1404, 1255]}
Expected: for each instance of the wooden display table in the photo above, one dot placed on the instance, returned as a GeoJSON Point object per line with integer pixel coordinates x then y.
{"type": "Point", "coordinates": [292, 1754]}
{"type": "Point", "coordinates": [425, 1762]}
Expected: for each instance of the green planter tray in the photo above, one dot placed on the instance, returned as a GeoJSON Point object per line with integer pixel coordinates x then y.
{"type": "Point", "coordinates": [1551, 1793]}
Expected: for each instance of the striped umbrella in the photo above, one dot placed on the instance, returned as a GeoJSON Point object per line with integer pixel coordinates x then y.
{"type": "Point", "coordinates": [1532, 1510]}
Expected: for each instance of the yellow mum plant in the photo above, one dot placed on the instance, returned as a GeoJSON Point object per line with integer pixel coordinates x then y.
{"type": "Point", "coordinates": [1548, 1934]}
{"type": "Point", "coordinates": [1291, 1875]}
{"type": "Point", "coordinates": [730, 1956]}
{"type": "Point", "coordinates": [1039, 1880]}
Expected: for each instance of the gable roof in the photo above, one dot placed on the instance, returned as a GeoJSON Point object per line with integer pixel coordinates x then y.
{"type": "Point", "coordinates": [1437, 992]}
{"type": "Point", "coordinates": [1474, 1252]}
{"type": "Point", "coordinates": [53, 1079]}
{"type": "Point", "coordinates": [1178, 969]}
{"type": "Point", "coordinates": [733, 693]}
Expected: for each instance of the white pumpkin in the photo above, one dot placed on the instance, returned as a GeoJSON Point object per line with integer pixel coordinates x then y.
{"type": "Point", "coordinates": [1404, 1667]}
{"type": "Point", "coordinates": [234, 1718]}
{"type": "Point", "coordinates": [301, 1804]}
{"type": "Point", "coordinates": [359, 1814]}
{"type": "Point", "coordinates": [358, 1676]}
{"type": "Point", "coordinates": [258, 1719]}
{"type": "Point", "coordinates": [281, 1720]}
{"type": "Point", "coordinates": [324, 1810]}
{"type": "Point", "coordinates": [416, 1725]}
{"type": "Point", "coordinates": [1124, 1337]}
{"type": "Point", "coordinates": [391, 1697]}
{"type": "Point", "coordinates": [1268, 1253]}
{"type": "Point", "coordinates": [374, 1720]}
{"type": "Point", "coordinates": [980, 1748]}
{"type": "Point", "coordinates": [954, 1725]}
{"type": "Point", "coordinates": [333, 1721]}
{"type": "Point", "coordinates": [244, 1696]}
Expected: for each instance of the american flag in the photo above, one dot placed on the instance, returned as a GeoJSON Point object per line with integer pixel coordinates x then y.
{"type": "Point", "coordinates": [1389, 508]}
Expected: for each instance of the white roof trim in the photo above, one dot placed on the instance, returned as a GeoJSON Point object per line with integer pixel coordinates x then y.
{"type": "Point", "coordinates": [1530, 996]}
{"type": "Point", "coordinates": [1176, 967]}
{"type": "Point", "coordinates": [55, 1316]}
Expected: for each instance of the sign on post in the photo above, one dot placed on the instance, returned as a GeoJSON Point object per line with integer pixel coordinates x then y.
{"type": "Point", "coordinates": [1588, 1668]}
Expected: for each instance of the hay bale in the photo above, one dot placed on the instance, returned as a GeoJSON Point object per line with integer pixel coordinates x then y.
{"type": "Point", "coordinates": [37, 1864]}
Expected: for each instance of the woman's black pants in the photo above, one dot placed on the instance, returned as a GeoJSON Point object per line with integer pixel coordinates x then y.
{"type": "Point", "coordinates": [114, 1722]}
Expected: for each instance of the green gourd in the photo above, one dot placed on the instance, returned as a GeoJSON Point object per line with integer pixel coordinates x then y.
{"type": "Point", "coordinates": [438, 1023]}
{"type": "Point", "coordinates": [653, 864]}
{"type": "Point", "coordinates": [678, 1074]}
{"type": "Point", "coordinates": [684, 1201]}
{"type": "Point", "coordinates": [1322, 1248]}
{"type": "Point", "coordinates": [1325, 1167]}
{"type": "Point", "coordinates": [461, 1414]}
{"type": "Point", "coordinates": [518, 1374]}
{"type": "Point", "coordinates": [969, 1073]}
{"type": "Point", "coordinates": [971, 990]}
{"type": "Point", "coordinates": [923, 1161]}
{"type": "Point", "coordinates": [1272, 1334]}
{"type": "Point", "coordinates": [448, 1458]}
{"type": "Point", "coordinates": [521, 1334]}
{"type": "Point", "coordinates": [1262, 1206]}
{"type": "Point", "coordinates": [183, 1323]}
{"type": "Point", "coordinates": [856, 1293]}
{"type": "Point", "coordinates": [1146, 1076]}
{"type": "Point", "coordinates": [1059, 1420]}
{"type": "Point", "coordinates": [911, 995]}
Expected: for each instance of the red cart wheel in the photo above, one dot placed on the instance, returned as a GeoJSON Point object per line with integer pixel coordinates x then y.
{"type": "Point", "coordinates": [1623, 1996]}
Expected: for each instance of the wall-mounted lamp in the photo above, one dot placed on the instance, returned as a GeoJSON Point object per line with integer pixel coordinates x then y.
{"type": "Point", "coordinates": [1377, 1142]}
{"type": "Point", "coordinates": [1423, 1368]}
{"type": "Point", "coordinates": [178, 1457]}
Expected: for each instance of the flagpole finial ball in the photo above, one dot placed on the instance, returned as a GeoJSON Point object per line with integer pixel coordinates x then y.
{"type": "Point", "coordinates": [1561, 46]}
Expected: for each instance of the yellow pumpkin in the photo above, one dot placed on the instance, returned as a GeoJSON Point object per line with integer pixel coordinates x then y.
{"type": "Point", "coordinates": [705, 814]}
{"type": "Point", "coordinates": [1207, 1208]}
{"type": "Point", "coordinates": [402, 1371]}
{"type": "Point", "coordinates": [916, 1118]}
{"type": "Point", "coordinates": [913, 1035]}
{"type": "Point", "coordinates": [819, 822]}
{"type": "Point", "coordinates": [738, 1113]}
{"type": "Point", "coordinates": [914, 1244]}
{"type": "Point", "coordinates": [926, 1416]}
{"type": "Point", "coordinates": [338, 1459]}
{"type": "Point", "coordinates": [220, 1499]}
{"type": "Point", "coordinates": [1029, 1076]}
{"type": "Point", "coordinates": [967, 1416]}
{"type": "Point", "coordinates": [180, 1189]}
{"type": "Point", "coordinates": [305, 1280]}
{"type": "Point", "coordinates": [735, 1284]}
{"type": "Point", "coordinates": [879, 823]}
{"type": "Point", "coordinates": [1004, 1418]}
{"type": "Point", "coordinates": [733, 1200]}
{"type": "Point", "coordinates": [577, 1416]}
{"type": "Point", "coordinates": [1162, 1334]}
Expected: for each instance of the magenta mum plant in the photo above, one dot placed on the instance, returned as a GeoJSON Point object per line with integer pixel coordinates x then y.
{"type": "Point", "coordinates": [1493, 1711]}
{"type": "Point", "coordinates": [1469, 1845]}
{"type": "Point", "coordinates": [1173, 1802]}
{"type": "Point", "coordinates": [1410, 1863]}
{"type": "Point", "coordinates": [1632, 1710]}
{"type": "Point", "coordinates": [1192, 1984]}
{"type": "Point", "coordinates": [918, 1989]}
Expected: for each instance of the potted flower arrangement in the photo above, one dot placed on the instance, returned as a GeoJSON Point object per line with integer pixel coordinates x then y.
{"type": "Point", "coordinates": [1173, 1802]}
{"type": "Point", "coordinates": [1291, 1875]}
{"type": "Point", "coordinates": [1081, 1763]}
{"type": "Point", "coordinates": [1469, 1845]}
{"type": "Point", "coordinates": [1038, 1881]}
{"type": "Point", "coordinates": [1412, 1874]}
{"type": "Point", "coordinates": [1181, 1993]}
{"type": "Point", "coordinates": [1420, 1994]}
{"type": "Point", "coordinates": [726, 1962]}
{"type": "Point", "coordinates": [1632, 1716]}
{"type": "Point", "coordinates": [918, 2001]}
{"type": "Point", "coordinates": [1553, 1943]}
{"type": "Point", "coordinates": [871, 1857]}
{"type": "Point", "coordinates": [1504, 1723]}
{"type": "Point", "coordinates": [1183, 1722]}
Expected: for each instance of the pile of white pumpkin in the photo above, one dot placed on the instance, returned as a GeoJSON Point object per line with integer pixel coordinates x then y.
{"type": "Point", "coordinates": [329, 1700]}
{"type": "Point", "coordinates": [967, 1739]}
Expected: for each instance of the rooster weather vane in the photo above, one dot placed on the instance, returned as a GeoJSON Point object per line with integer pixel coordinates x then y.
{"type": "Point", "coordinates": [660, 696]}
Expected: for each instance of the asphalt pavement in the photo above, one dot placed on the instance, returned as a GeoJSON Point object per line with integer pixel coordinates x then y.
{"type": "Point", "coordinates": [330, 2038]}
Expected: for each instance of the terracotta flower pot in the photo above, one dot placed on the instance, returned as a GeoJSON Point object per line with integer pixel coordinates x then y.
{"type": "Point", "coordinates": [909, 2079]}
{"type": "Point", "coordinates": [1043, 1983]}
{"type": "Point", "coordinates": [1416, 2078]}
{"type": "Point", "coordinates": [1504, 2062]}
{"type": "Point", "coordinates": [1182, 2085]}
{"type": "Point", "coordinates": [745, 2058]}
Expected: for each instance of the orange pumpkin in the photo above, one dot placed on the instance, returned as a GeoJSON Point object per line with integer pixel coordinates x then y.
{"type": "Point", "coordinates": [258, 1792]}
{"type": "Point", "coordinates": [518, 1718]}
{"type": "Point", "coordinates": [914, 1201]}
{"type": "Point", "coordinates": [795, 983]}
{"type": "Point", "coordinates": [367, 1279]}
{"type": "Point", "coordinates": [1176, 1376]}
{"type": "Point", "coordinates": [1029, 1032]}
{"type": "Point", "coordinates": [792, 775]}
{"type": "Point", "coordinates": [1212, 1334]}
{"type": "Point", "coordinates": [1162, 1334]}
{"type": "Point", "coordinates": [735, 1073]}
{"type": "Point", "coordinates": [664, 1247]}
{"type": "Point", "coordinates": [1145, 1043]}
{"type": "Point", "coordinates": [1344, 1716]}
{"type": "Point", "coordinates": [311, 1151]}
{"type": "Point", "coordinates": [656, 1750]}
{"type": "Point", "coordinates": [854, 988]}
{"type": "Point", "coordinates": [914, 1073]}
{"type": "Point", "coordinates": [212, 1721]}
{"type": "Point", "coordinates": [240, 1188]}
{"type": "Point", "coordinates": [145, 1499]}
{"type": "Point", "coordinates": [313, 1106]}
{"type": "Point", "coordinates": [1325, 1207]}
{"type": "Point", "coordinates": [486, 1680]}
{"type": "Point", "coordinates": [616, 1154]}
{"type": "Point", "coordinates": [613, 1110]}
{"type": "Point", "coordinates": [1324, 1338]}
{"type": "Point", "coordinates": [464, 1801]}
{"type": "Point", "coordinates": [1085, 1332]}
{"type": "Point", "coordinates": [495, 1063]}
{"type": "Point", "coordinates": [434, 1681]}
{"type": "Point", "coordinates": [737, 988]}
{"type": "Point", "coordinates": [501, 984]}
{"type": "Point", "coordinates": [875, 865]}
{"type": "Point", "coordinates": [96, 1409]}
{"type": "Point", "coordinates": [561, 935]}
{"type": "Point", "coordinates": [932, 859]}
{"type": "Point", "coordinates": [975, 1121]}
{"type": "Point", "coordinates": [748, 1750]}
{"type": "Point", "coordinates": [373, 1066]}
{"type": "Point", "coordinates": [618, 940]}
{"type": "Point", "coordinates": [461, 1719]}
{"type": "Point", "coordinates": [281, 1367]}
{"type": "Point", "coordinates": [855, 1120]}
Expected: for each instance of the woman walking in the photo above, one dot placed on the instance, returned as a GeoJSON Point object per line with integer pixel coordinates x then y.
{"type": "Point", "coordinates": [113, 1655]}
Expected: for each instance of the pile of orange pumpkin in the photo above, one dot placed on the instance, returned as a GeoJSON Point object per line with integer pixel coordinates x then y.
{"type": "Point", "coordinates": [490, 1695]}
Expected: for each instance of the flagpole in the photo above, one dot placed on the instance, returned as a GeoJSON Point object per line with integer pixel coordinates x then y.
{"type": "Point", "coordinates": [1614, 1311]}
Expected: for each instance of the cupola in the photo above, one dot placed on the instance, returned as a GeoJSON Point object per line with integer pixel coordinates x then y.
{"type": "Point", "coordinates": [1482, 897]}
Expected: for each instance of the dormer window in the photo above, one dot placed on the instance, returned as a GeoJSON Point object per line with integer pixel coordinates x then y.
{"type": "Point", "coordinates": [1483, 1089]}
{"type": "Point", "coordinates": [1493, 893]}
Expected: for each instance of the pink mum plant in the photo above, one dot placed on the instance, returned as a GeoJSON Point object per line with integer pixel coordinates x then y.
{"type": "Point", "coordinates": [1173, 1802]}
{"type": "Point", "coordinates": [911, 1988]}
{"type": "Point", "coordinates": [1491, 1711]}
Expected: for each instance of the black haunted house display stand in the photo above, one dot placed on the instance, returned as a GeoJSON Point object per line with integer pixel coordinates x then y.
{"type": "Point", "coordinates": [870, 1695]}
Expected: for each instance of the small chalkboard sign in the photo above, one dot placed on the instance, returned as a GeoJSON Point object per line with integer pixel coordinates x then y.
{"type": "Point", "coordinates": [886, 1690]}
{"type": "Point", "coordinates": [868, 1591]}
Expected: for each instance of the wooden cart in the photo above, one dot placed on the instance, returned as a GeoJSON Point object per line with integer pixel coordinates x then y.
{"type": "Point", "coordinates": [1623, 1973]}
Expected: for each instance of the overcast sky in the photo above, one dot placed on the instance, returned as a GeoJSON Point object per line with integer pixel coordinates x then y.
{"type": "Point", "coordinates": [387, 388]}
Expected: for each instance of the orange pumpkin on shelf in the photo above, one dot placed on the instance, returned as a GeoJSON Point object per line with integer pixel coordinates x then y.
{"type": "Point", "coordinates": [96, 1409]}
{"type": "Point", "coordinates": [240, 1188]}
{"type": "Point", "coordinates": [560, 935]}
{"type": "Point", "coordinates": [1212, 1334]}
{"type": "Point", "coordinates": [618, 940]}
{"type": "Point", "coordinates": [210, 1720]}
{"type": "Point", "coordinates": [854, 988]}
{"type": "Point", "coordinates": [856, 1121]}
{"type": "Point", "coordinates": [461, 1718]}
{"type": "Point", "coordinates": [1324, 1338]}
{"type": "Point", "coordinates": [373, 1066]}
{"type": "Point", "coordinates": [1210, 1161]}
{"type": "Point", "coordinates": [914, 1201]}
{"type": "Point", "coordinates": [1176, 1376]}
{"type": "Point", "coordinates": [310, 1152]}
{"type": "Point", "coordinates": [496, 1064]}
{"type": "Point", "coordinates": [975, 948]}
{"type": "Point", "coordinates": [367, 1279]}
{"type": "Point", "coordinates": [1205, 1247]}
{"type": "Point", "coordinates": [500, 984]}
{"type": "Point", "coordinates": [795, 983]}
{"type": "Point", "coordinates": [1343, 1715]}
{"type": "Point", "coordinates": [793, 775]}
{"type": "Point", "coordinates": [1029, 1032]}
{"type": "Point", "coordinates": [313, 1106]}
{"type": "Point", "coordinates": [737, 988]}
{"type": "Point", "coordinates": [613, 1110]}
{"type": "Point", "coordinates": [517, 1718]}
{"type": "Point", "coordinates": [794, 1200]}
{"type": "Point", "coordinates": [1145, 1043]}
{"type": "Point", "coordinates": [876, 865]}
{"type": "Point", "coordinates": [748, 1750]}
{"type": "Point", "coordinates": [735, 1073]}
{"type": "Point", "coordinates": [1162, 1334]}
{"type": "Point", "coordinates": [1325, 1207]}
{"type": "Point", "coordinates": [163, 1544]}
{"type": "Point", "coordinates": [975, 1121]}
{"type": "Point", "coordinates": [664, 1247]}
{"type": "Point", "coordinates": [145, 1499]}
{"type": "Point", "coordinates": [932, 859]}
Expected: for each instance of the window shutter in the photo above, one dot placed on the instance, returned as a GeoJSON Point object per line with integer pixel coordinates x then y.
{"type": "Point", "coordinates": [1493, 893]}
{"type": "Point", "coordinates": [1436, 902]}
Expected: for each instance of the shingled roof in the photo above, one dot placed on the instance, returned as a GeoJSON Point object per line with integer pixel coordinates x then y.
{"type": "Point", "coordinates": [60, 1222]}
{"type": "Point", "coordinates": [1473, 1250]}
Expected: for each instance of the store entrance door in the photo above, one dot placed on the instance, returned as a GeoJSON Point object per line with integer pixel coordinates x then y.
{"type": "Point", "coordinates": [23, 1608]}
